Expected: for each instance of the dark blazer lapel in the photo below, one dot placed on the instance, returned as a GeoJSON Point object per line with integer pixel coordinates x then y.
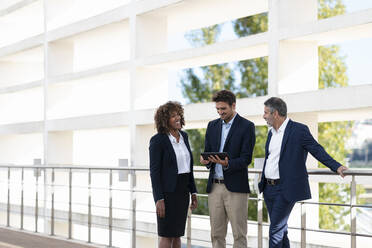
{"type": "Point", "coordinates": [266, 153]}
{"type": "Point", "coordinates": [287, 131]}
{"type": "Point", "coordinates": [267, 144]}
{"type": "Point", "coordinates": [170, 148]}
{"type": "Point", "coordinates": [218, 135]}
{"type": "Point", "coordinates": [232, 129]}
{"type": "Point", "coordinates": [186, 142]}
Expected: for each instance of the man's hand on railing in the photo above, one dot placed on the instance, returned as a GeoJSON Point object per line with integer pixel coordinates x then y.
{"type": "Point", "coordinates": [341, 170]}
{"type": "Point", "coordinates": [160, 208]}
{"type": "Point", "coordinates": [194, 202]}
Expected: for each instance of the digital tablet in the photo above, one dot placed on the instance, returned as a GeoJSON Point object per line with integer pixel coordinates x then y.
{"type": "Point", "coordinates": [221, 155]}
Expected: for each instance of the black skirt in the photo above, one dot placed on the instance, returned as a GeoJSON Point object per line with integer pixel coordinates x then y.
{"type": "Point", "coordinates": [176, 206]}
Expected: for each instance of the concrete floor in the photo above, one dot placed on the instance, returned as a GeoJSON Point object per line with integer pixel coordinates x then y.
{"type": "Point", "coordinates": [18, 239]}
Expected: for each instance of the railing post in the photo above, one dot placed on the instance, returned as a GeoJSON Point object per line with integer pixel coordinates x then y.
{"type": "Point", "coordinates": [52, 202]}
{"type": "Point", "coordinates": [258, 164]}
{"type": "Point", "coordinates": [37, 200]}
{"type": "Point", "coordinates": [110, 210]}
{"type": "Point", "coordinates": [353, 212]}
{"type": "Point", "coordinates": [70, 204]}
{"type": "Point", "coordinates": [37, 162]}
{"type": "Point", "coordinates": [303, 225]}
{"type": "Point", "coordinates": [259, 219]}
{"type": "Point", "coordinates": [89, 205]}
{"type": "Point", "coordinates": [8, 202]}
{"type": "Point", "coordinates": [22, 196]}
{"type": "Point", "coordinates": [132, 184]}
{"type": "Point", "coordinates": [188, 228]}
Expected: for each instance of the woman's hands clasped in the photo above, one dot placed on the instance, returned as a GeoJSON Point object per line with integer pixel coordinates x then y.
{"type": "Point", "coordinates": [160, 208]}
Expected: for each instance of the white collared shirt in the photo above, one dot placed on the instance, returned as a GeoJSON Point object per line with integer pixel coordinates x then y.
{"type": "Point", "coordinates": [218, 171]}
{"type": "Point", "coordinates": [272, 162]}
{"type": "Point", "coordinates": [182, 154]}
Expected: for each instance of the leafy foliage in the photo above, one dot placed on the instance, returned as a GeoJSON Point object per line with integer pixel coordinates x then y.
{"type": "Point", "coordinates": [333, 135]}
{"type": "Point", "coordinates": [199, 85]}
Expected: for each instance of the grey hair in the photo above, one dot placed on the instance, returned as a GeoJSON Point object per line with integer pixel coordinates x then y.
{"type": "Point", "coordinates": [276, 103]}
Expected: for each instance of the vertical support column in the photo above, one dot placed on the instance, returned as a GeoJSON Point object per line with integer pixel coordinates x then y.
{"type": "Point", "coordinates": [37, 174]}
{"type": "Point", "coordinates": [132, 127]}
{"type": "Point", "coordinates": [22, 196]}
{"type": "Point", "coordinates": [60, 151]}
{"type": "Point", "coordinates": [293, 65]}
{"type": "Point", "coordinates": [144, 82]}
{"type": "Point", "coordinates": [37, 199]}
{"type": "Point", "coordinates": [309, 216]}
{"type": "Point", "coordinates": [303, 225]}
{"type": "Point", "coordinates": [258, 164]}
{"type": "Point", "coordinates": [45, 110]}
{"type": "Point", "coordinates": [52, 207]}
{"type": "Point", "coordinates": [353, 212]}
{"type": "Point", "coordinates": [70, 203]}
{"type": "Point", "coordinates": [142, 29]}
{"type": "Point", "coordinates": [110, 209]}
{"type": "Point", "coordinates": [89, 205]}
{"type": "Point", "coordinates": [147, 82]}
{"type": "Point", "coordinates": [8, 201]}
{"type": "Point", "coordinates": [273, 30]}
{"type": "Point", "coordinates": [188, 228]}
{"type": "Point", "coordinates": [259, 219]}
{"type": "Point", "coordinates": [132, 183]}
{"type": "Point", "coordinates": [297, 60]}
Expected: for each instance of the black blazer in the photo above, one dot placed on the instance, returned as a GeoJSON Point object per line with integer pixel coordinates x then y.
{"type": "Point", "coordinates": [239, 146]}
{"type": "Point", "coordinates": [297, 142]}
{"type": "Point", "coordinates": [163, 165]}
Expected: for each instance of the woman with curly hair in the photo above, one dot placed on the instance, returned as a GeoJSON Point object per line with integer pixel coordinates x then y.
{"type": "Point", "coordinates": [171, 171]}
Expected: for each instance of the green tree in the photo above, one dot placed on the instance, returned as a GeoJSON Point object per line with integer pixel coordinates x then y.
{"type": "Point", "coordinates": [333, 135]}
{"type": "Point", "coordinates": [254, 76]}
{"type": "Point", "coordinates": [254, 79]}
{"type": "Point", "coordinates": [200, 88]}
{"type": "Point", "coordinates": [330, 8]}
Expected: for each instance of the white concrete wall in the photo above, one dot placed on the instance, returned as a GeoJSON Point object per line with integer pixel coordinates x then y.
{"type": "Point", "coordinates": [81, 82]}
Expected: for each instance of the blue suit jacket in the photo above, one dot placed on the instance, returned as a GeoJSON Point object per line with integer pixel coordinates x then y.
{"type": "Point", "coordinates": [297, 142]}
{"type": "Point", "coordinates": [239, 146]}
{"type": "Point", "coordinates": [163, 165]}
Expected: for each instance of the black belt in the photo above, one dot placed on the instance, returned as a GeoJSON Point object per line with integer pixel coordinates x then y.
{"type": "Point", "coordinates": [215, 180]}
{"type": "Point", "coordinates": [272, 181]}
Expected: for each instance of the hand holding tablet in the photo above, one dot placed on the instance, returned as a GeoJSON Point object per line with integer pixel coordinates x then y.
{"type": "Point", "coordinates": [221, 155]}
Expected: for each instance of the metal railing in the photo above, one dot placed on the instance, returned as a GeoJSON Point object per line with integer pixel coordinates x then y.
{"type": "Point", "coordinates": [47, 202]}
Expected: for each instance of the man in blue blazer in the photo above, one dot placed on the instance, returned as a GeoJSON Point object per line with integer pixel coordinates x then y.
{"type": "Point", "coordinates": [284, 179]}
{"type": "Point", "coordinates": [228, 186]}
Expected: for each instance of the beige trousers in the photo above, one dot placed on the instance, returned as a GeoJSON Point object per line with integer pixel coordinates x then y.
{"type": "Point", "coordinates": [225, 206]}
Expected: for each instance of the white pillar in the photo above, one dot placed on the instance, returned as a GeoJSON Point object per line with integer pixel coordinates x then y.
{"type": "Point", "coordinates": [293, 65]}
{"type": "Point", "coordinates": [312, 211]}
{"type": "Point", "coordinates": [60, 147]}
{"type": "Point", "coordinates": [151, 35]}
{"type": "Point", "coordinates": [61, 56]}
{"type": "Point", "coordinates": [59, 151]}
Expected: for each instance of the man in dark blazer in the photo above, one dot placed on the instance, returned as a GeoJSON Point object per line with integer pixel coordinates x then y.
{"type": "Point", "coordinates": [228, 186]}
{"type": "Point", "coordinates": [284, 179]}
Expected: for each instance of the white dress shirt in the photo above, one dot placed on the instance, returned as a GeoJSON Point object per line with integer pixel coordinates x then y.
{"type": "Point", "coordinates": [182, 154]}
{"type": "Point", "coordinates": [272, 162]}
{"type": "Point", "coordinates": [218, 173]}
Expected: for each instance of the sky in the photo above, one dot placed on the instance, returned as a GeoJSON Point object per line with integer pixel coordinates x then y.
{"type": "Point", "coordinates": [357, 54]}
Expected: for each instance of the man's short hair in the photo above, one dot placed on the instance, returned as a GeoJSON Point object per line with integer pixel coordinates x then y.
{"type": "Point", "coordinates": [276, 103]}
{"type": "Point", "coordinates": [224, 96]}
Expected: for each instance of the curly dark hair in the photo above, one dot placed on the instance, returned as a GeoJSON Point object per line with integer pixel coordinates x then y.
{"type": "Point", "coordinates": [224, 96]}
{"type": "Point", "coordinates": [163, 114]}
